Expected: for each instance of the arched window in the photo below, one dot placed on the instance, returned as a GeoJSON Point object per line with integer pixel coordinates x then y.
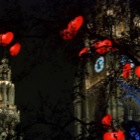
{"type": "Point", "coordinates": [131, 107]}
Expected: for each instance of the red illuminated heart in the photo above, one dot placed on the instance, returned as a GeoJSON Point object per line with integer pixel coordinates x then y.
{"type": "Point", "coordinates": [67, 34]}
{"type": "Point", "coordinates": [7, 38]}
{"type": "Point", "coordinates": [107, 120]}
{"type": "Point", "coordinates": [83, 51]}
{"type": "Point", "coordinates": [103, 47]}
{"type": "Point", "coordinates": [126, 70]}
{"type": "Point", "coordinates": [15, 49]}
{"type": "Point", "coordinates": [76, 23]}
{"type": "Point", "coordinates": [117, 135]}
{"type": "Point", "coordinates": [72, 28]}
{"type": "Point", "coordinates": [107, 42]}
{"type": "Point", "coordinates": [137, 71]}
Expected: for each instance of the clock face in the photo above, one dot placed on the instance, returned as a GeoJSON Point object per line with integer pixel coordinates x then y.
{"type": "Point", "coordinates": [99, 64]}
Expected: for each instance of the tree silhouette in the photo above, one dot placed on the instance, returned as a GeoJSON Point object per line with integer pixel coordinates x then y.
{"type": "Point", "coordinates": [44, 70]}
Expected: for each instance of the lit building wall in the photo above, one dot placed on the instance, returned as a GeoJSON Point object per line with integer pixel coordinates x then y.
{"type": "Point", "coordinates": [7, 93]}
{"type": "Point", "coordinates": [9, 116]}
{"type": "Point", "coordinates": [103, 91]}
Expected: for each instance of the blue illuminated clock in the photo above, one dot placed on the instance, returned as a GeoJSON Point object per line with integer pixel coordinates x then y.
{"type": "Point", "coordinates": [99, 64]}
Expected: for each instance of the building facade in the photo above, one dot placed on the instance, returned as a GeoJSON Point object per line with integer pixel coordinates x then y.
{"type": "Point", "coordinates": [101, 87]}
{"type": "Point", "coordinates": [9, 116]}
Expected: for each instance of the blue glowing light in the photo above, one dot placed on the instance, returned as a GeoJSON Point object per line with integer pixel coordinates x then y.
{"type": "Point", "coordinates": [129, 88]}
{"type": "Point", "coordinates": [133, 96]}
{"type": "Point", "coordinates": [134, 133]}
{"type": "Point", "coordinates": [99, 64]}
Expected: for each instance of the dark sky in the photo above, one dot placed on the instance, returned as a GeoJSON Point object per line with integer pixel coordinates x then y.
{"type": "Point", "coordinates": [44, 70]}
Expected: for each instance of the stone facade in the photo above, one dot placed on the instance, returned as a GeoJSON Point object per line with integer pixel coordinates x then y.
{"type": "Point", "coordinates": [7, 93]}
{"type": "Point", "coordinates": [105, 92]}
{"type": "Point", "coordinates": [8, 111]}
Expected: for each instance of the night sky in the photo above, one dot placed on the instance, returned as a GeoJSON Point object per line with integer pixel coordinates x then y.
{"type": "Point", "coordinates": [44, 70]}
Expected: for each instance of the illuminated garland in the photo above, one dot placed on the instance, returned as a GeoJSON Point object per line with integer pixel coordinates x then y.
{"type": "Point", "coordinates": [129, 88]}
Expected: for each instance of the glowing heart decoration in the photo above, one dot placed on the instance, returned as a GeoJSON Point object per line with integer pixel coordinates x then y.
{"type": "Point", "coordinates": [107, 119]}
{"type": "Point", "coordinates": [7, 38]}
{"type": "Point", "coordinates": [103, 47]}
{"type": "Point", "coordinates": [67, 34]}
{"type": "Point", "coordinates": [107, 43]}
{"type": "Point", "coordinates": [83, 51]}
{"type": "Point", "coordinates": [117, 135]}
{"type": "Point", "coordinates": [15, 49]}
{"type": "Point", "coordinates": [126, 70]}
{"type": "Point", "coordinates": [72, 28]}
{"type": "Point", "coordinates": [76, 23]}
{"type": "Point", "coordinates": [137, 71]}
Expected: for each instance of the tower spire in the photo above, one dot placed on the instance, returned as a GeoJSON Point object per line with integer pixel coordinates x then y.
{"type": "Point", "coordinates": [8, 112]}
{"type": "Point", "coordinates": [7, 88]}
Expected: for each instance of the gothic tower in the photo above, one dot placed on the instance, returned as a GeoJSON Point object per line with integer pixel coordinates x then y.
{"type": "Point", "coordinates": [101, 87]}
{"type": "Point", "coordinates": [8, 113]}
{"type": "Point", "coordinates": [7, 93]}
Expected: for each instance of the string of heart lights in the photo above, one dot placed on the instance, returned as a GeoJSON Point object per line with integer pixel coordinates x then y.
{"type": "Point", "coordinates": [6, 39]}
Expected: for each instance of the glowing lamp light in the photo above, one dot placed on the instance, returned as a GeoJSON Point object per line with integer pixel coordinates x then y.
{"type": "Point", "coordinates": [137, 71]}
{"type": "Point", "coordinates": [72, 28]}
{"type": "Point", "coordinates": [83, 51]}
{"type": "Point", "coordinates": [107, 119]}
{"type": "Point", "coordinates": [117, 135]}
{"type": "Point", "coordinates": [7, 38]}
{"type": "Point", "coordinates": [126, 70]}
{"type": "Point", "coordinates": [15, 49]}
